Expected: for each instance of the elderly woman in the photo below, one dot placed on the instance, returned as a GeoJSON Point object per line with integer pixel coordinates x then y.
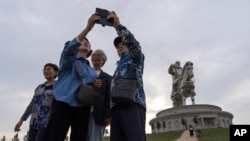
{"type": "Point", "coordinates": [40, 105]}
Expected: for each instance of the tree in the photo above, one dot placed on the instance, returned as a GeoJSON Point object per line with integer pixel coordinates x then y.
{"type": "Point", "coordinates": [26, 137]}
{"type": "Point", "coordinates": [106, 132]}
{"type": "Point", "coordinates": [153, 126]}
{"type": "Point", "coordinates": [3, 139]}
{"type": "Point", "coordinates": [164, 124]}
{"type": "Point", "coordinates": [15, 138]}
{"type": "Point", "coordinates": [195, 120]}
{"type": "Point", "coordinates": [184, 123]}
{"type": "Point", "coordinates": [158, 125]}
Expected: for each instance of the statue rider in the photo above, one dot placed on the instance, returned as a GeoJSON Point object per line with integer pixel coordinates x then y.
{"type": "Point", "coordinates": [176, 71]}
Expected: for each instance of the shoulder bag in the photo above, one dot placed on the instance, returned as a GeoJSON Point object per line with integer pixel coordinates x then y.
{"type": "Point", "coordinates": [124, 91]}
{"type": "Point", "coordinates": [86, 95]}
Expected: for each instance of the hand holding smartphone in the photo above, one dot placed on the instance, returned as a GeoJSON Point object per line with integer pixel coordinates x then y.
{"type": "Point", "coordinates": [103, 13]}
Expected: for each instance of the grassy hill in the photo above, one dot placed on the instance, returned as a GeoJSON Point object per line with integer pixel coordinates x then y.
{"type": "Point", "coordinates": [214, 134]}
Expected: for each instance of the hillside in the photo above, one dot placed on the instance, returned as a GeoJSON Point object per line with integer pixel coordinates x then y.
{"type": "Point", "coordinates": [214, 134]}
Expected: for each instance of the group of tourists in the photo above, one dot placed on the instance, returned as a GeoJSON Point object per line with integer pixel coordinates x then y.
{"type": "Point", "coordinates": [54, 109]}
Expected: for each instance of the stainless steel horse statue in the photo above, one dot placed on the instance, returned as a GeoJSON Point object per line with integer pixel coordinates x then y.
{"type": "Point", "coordinates": [187, 83]}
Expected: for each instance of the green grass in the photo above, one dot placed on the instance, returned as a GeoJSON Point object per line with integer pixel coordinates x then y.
{"type": "Point", "coordinates": [167, 136]}
{"type": "Point", "coordinates": [213, 134]}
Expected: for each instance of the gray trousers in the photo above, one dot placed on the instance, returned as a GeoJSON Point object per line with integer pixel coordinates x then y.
{"type": "Point", "coordinates": [95, 132]}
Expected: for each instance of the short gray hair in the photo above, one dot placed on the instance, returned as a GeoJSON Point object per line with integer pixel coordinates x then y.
{"type": "Point", "coordinates": [104, 56]}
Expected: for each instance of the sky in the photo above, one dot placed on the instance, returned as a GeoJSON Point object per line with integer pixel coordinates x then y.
{"type": "Point", "coordinates": [213, 34]}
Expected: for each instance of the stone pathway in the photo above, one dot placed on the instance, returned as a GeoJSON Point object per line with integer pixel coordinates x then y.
{"type": "Point", "coordinates": [186, 137]}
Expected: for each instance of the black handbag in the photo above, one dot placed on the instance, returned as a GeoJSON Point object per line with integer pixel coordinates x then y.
{"type": "Point", "coordinates": [124, 91]}
{"type": "Point", "coordinates": [86, 95]}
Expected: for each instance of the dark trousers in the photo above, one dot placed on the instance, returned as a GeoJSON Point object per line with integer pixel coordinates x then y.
{"type": "Point", "coordinates": [36, 134]}
{"type": "Point", "coordinates": [128, 123]}
{"type": "Point", "coordinates": [64, 116]}
{"type": "Point", "coordinates": [191, 132]}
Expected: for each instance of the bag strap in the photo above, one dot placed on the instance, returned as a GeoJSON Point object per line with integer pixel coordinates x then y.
{"type": "Point", "coordinates": [77, 62]}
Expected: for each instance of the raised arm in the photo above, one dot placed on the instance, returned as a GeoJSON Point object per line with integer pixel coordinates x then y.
{"type": "Point", "coordinates": [70, 49]}
{"type": "Point", "coordinates": [127, 38]}
{"type": "Point", "coordinates": [91, 22]}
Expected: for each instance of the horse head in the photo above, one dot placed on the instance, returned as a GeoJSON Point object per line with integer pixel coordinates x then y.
{"type": "Point", "coordinates": [187, 84]}
{"type": "Point", "coordinates": [187, 72]}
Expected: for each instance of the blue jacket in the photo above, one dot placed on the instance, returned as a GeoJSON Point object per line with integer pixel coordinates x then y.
{"type": "Point", "coordinates": [131, 64]}
{"type": "Point", "coordinates": [65, 88]}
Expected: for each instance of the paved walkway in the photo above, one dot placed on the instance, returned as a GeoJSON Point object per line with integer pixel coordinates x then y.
{"type": "Point", "coordinates": [186, 137]}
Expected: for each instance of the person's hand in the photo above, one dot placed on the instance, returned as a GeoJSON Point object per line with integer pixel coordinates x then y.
{"type": "Point", "coordinates": [18, 125]}
{"type": "Point", "coordinates": [107, 121]}
{"type": "Point", "coordinates": [98, 83]}
{"type": "Point", "coordinates": [92, 20]}
{"type": "Point", "coordinates": [112, 16]}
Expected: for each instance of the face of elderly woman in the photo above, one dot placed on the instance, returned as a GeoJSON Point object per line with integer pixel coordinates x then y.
{"type": "Point", "coordinates": [50, 71]}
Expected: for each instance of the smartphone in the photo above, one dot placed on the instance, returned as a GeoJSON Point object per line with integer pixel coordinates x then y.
{"type": "Point", "coordinates": [103, 13]}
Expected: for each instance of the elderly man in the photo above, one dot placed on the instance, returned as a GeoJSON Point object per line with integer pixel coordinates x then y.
{"type": "Point", "coordinates": [100, 111]}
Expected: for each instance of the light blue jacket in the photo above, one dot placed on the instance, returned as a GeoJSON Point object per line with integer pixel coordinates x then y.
{"type": "Point", "coordinates": [65, 88]}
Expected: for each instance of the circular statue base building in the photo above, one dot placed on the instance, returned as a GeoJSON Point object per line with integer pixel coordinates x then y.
{"type": "Point", "coordinates": [178, 118]}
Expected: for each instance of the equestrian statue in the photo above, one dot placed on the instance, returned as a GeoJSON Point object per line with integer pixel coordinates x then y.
{"type": "Point", "coordinates": [183, 83]}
